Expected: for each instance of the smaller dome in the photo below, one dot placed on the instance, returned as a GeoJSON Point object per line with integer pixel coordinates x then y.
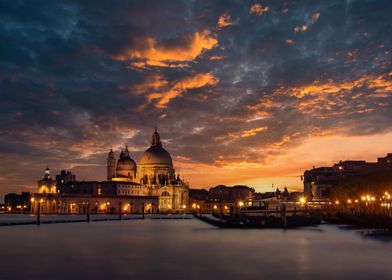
{"type": "Point", "coordinates": [125, 167]}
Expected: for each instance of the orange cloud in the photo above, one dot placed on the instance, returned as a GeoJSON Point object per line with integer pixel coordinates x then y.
{"type": "Point", "coordinates": [225, 20]}
{"type": "Point", "coordinates": [380, 84]}
{"type": "Point", "coordinates": [254, 131]}
{"type": "Point", "coordinates": [152, 83]}
{"type": "Point", "coordinates": [216, 57]}
{"type": "Point", "coordinates": [150, 53]}
{"type": "Point", "coordinates": [258, 9]}
{"type": "Point", "coordinates": [197, 81]}
{"type": "Point", "coordinates": [151, 63]}
{"type": "Point", "coordinates": [285, 139]}
{"type": "Point", "coordinates": [289, 41]}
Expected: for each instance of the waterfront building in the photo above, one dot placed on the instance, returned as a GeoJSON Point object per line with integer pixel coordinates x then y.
{"type": "Point", "coordinates": [221, 198]}
{"type": "Point", "coordinates": [153, 184]}
{"type": "Point", "coordinates": [319, 181]}
{"type": "Point", "coordinates": [233, 194]}
{"type": "Point", "coordinates": [17, 202]}
{"type": "Point", "coordinates": [65, 177]}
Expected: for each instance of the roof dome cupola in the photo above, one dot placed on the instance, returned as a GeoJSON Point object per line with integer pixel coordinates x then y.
{"type": "Point", "coordinates": [156, 155]}
{"type": "Point", "coordinates": [156, 139]}
{"type": "Point", "coordinates": [47, 174]}
{"type": "Point", "coordinates": [126, 166]}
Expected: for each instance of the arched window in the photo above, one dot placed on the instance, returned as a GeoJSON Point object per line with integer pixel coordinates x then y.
{"type": "Point", "coordinates": [165, 193]}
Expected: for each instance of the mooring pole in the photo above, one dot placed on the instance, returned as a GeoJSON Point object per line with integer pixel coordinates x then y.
{"type": "Point", "coordinates": [143, 210]}
{"type": "Point", "coordinates": [88, 212]}
{"type": "Point", "coordinates": [39, 214]}
{"type": "Point", "coordinates": [283, 215]}
{"type": "Point", "coordinates": [119, 211]}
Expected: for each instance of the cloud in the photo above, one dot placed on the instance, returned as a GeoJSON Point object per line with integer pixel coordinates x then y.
{"type": "Point", "coordinates": [380, 84]}
{"type": "Point", "coordinates": [259, 10]}
{"type": "Point", "coordinates": [152, 83]}
{"type": "Point", "coordinates": [150, 53]}
{"type": "Point", "coordinates": [225, 20]}
{"type": "Point", "coordinates": [181, 86]}
{"type": "Point", "coordinates": [253, 132]}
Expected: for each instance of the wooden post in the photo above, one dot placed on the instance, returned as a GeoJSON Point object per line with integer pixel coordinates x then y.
{"type": "Point", "coordinates": [39, 214]}
{"type": "Point", "coordinates": [283, 215]}
{"type": "Point", "coordinates": [143, 210]}
{"type": "Point", "coordinates": [119, 211]}
{"type": "Point", "coordinates": [88, 212]}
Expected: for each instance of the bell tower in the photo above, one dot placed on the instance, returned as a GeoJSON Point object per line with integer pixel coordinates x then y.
{"type": "Point", "coordinates": [111, 165]}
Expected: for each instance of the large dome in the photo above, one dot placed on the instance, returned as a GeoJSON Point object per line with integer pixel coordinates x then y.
{"type": "Point", "coordinates": [156, 155]}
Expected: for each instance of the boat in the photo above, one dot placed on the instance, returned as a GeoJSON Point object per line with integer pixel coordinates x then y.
{"type": "Point", "coordinates": [267, 213]}
{"type": "Point", "coordinates": [260, 222]}
{"type": "Point", "coordinates": [272, 207]}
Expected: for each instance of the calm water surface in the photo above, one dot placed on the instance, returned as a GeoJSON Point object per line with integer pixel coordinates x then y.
{"type": "Point", "coordinates": [189, 249]}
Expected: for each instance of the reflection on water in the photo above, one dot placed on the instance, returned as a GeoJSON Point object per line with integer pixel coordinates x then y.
{"type": "Point", "coordinates": [188, 249]}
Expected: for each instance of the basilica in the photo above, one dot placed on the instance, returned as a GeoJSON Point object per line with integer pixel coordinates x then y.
{"type": "Point", "coordinates": [155, 171]}
{"type": "Point", "coordinates": [152, 186]}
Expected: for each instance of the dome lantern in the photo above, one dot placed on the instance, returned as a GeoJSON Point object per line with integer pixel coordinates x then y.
{"type": "Point", "coordinates": [156, 139]}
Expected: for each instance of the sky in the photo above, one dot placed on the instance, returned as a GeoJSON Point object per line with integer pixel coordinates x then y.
{"type": "Point", "coordinates": [242, 92]}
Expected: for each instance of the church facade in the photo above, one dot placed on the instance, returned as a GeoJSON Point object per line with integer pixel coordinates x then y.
{"type": "Point", "coordinates": [152, 186]}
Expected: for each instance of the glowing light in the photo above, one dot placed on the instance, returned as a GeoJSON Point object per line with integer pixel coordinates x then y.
{"type": "Point", "coordinates": [240, 204]}
{"type": "Point", "coordinates": [215, 207]}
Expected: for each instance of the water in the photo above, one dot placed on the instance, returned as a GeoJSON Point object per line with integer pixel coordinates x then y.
{"type": "Point", "coordinates": [188, 249]}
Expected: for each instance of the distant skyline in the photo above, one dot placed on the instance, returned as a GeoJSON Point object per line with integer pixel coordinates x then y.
{"type": "Point", "coordinates": [242, 92]}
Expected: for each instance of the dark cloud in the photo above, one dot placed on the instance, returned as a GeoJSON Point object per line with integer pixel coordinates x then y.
{"type": "Point", "coordinates": [77, 78]}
